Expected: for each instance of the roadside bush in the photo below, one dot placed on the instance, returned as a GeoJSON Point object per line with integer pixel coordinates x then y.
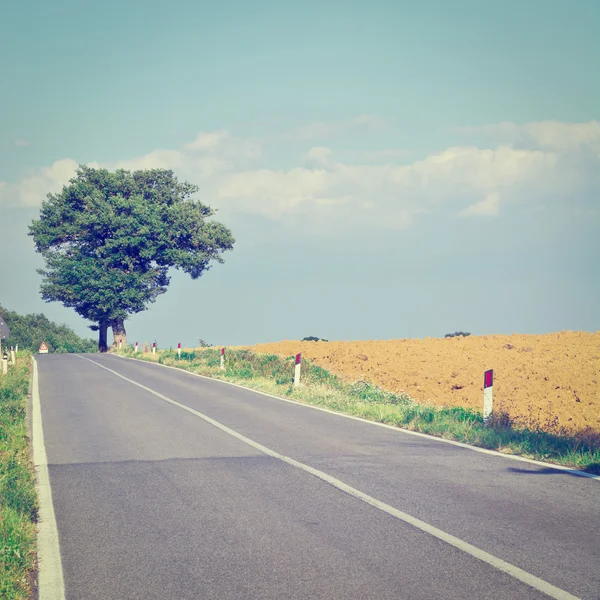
{"type": "Point", "coordinates": [457, 334]}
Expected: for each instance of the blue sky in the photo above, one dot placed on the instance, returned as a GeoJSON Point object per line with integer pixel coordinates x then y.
{"type": "Point", "coordinates": [389, 169]}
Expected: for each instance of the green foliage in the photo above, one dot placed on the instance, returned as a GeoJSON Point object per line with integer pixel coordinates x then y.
{"type": "Point", "coordinates": [457, 334]}
{"type": "Point", "coordinates": [18, 500]}
{"type": "Point", "coordinates": [312, 338]}
{"type": "Point", "coordinates": [109, 240]}
{"type": "Point", "coordinates": [29, 331]}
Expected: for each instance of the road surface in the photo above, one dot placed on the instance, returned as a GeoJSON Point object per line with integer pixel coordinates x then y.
{"type": "Point", "coordinates": [245, 496]}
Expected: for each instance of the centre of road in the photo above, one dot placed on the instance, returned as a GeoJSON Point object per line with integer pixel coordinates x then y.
{"type": "Point", "coordinates": [499, 564]}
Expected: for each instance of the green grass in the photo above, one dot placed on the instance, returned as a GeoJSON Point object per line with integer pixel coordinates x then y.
{"type": "Point", "coordinates": [274, 375]}
{"type": "Point", "coordinates": [18, 500]}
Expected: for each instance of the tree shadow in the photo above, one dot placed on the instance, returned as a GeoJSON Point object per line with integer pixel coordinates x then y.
{"type": "Point", "coordinates": [592, 469]}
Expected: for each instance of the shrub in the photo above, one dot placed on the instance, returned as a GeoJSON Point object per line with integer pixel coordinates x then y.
{"type": "Point", "coordinates": [457, 334]}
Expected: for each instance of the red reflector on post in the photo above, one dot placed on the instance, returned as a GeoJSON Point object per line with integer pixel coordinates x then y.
{"type": "Point", "coordinates": [222, 351]}
{"type": "Point", "coordinates": [298, 358]}
{"type": "Point", "coordinates": [488, 379]}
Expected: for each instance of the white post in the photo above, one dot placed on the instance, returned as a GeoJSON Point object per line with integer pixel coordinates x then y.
{"type": "Point", "coordinates": [488, 389]}
{"type": "Point", "coordinates": [17, 348]}
{"type": "Point", "coordinates": [5, 363]}
{"type": "Point", "coordinates": [179, 350]}
{"type": "Point", "coordinates": [120, 343]}
{"type": "Point", "coordinates": [136, 346]}
{"type": "Point", "coordinates": [297, 370]}
{"type": "Point", "coordinates": [223, 359]}
{"type": "Point", "coordinates": [153, 347]}
{"type": "Point", "coordinates": [12, 356]}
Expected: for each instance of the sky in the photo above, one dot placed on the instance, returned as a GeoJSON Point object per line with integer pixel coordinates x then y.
{"type": "Point", "coordinates": [388, 169]}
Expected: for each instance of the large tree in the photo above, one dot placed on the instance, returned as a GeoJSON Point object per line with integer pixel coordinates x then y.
{"type": "Point", "coordinates": [110, 238]}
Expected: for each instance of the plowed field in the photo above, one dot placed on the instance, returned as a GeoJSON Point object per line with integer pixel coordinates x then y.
{"type": "Point", "coordinates": [551, 380]}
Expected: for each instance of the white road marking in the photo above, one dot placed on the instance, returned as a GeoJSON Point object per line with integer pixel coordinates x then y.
{"type": "Point", "coordinates": [433, 438]}
{"type": "Point", "coordinates": [51, 584]}
{"type": "Point", "coordinates": [506, 567]}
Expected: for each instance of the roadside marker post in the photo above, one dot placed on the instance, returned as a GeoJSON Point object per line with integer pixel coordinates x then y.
{"type": "Point", "coordinates": [136, 347]}
{"type": "Point", "coordinates": [5, 363]}
{"type": "Point", "coordinates": [488, 390]}
{"type": "Point", "coordinates": [153, 347]}
{"type": "Point", "coordinates": [12, 356]}
{"type": "Point", "coordinates": [223, 359]}
{"type": "Point", "coordinates": [179, 350]}
{"type": "Point", "coordinates": [297, 370]}
{"type": "Point", "coordinates": [120, 344]}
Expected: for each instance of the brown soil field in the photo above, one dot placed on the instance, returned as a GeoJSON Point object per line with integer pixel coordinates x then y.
{"type": "Point", "coordinates": [550, 381]}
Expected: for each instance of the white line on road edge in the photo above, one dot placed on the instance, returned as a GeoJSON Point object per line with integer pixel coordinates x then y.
{"type": "Point", "coordinates": [400, 430]}
{"type": "Point", "coordinates": [490, 559]}
{"type": "Point", "coordinates": [51, 584]}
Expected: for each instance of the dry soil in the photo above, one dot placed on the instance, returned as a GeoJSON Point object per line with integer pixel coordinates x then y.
{"type": "Point", "coordinates": [551, 380]}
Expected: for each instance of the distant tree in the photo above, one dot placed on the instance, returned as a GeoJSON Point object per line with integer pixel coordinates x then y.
{"type": "Point", "coordinates": [312, 338]}
{"type": "Point", "coordinates": [457, 334]}
{"type": "Point", "coordinates": [29, 331]}
{"type": "Point", "coordinates": [110, 238]}
{"type": "Point", "coordinates": [204, 344]}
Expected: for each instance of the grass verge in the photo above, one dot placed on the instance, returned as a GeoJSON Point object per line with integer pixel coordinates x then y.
{"type": "Point", "coordinates": [274, 374]}
{"type": "Point", "coordinates": [18, 498]}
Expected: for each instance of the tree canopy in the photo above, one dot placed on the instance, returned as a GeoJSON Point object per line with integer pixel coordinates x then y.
{"type": "Point", "coordinates": [110, 238]}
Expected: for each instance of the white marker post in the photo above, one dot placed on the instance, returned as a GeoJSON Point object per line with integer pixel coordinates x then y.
{"type": "Point", "coordinates": [223, 359]}
{"type": "Point", "coordinates": [153, 347]}
{"type": "Point", "coordinates": [488, 388]}
{"type": "Point", "coordinates": [297, 370]}
{"type": "Point", "coordinates": [136, 346]}
{"type": "Point", "coordinates": [179, 350]}
{"type": "Point", "coordinates": [12, 356]}
{"type": "Point", "coordinates": [120, 344]}
{"type": "Point", "coordinates": [5, 363]}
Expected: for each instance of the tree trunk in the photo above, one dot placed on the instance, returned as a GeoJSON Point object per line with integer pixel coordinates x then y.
{"type": "Point", "coordinates": [119, 333]}
{"type": "Point", "coordinates": [102, 334]}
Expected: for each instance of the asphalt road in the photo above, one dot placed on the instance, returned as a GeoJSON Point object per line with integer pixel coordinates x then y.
{"type": "Point", "coordinates": [153, 502]}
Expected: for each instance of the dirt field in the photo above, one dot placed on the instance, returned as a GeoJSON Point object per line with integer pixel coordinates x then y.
{"type": "Point", "coordinates": [552, 380]}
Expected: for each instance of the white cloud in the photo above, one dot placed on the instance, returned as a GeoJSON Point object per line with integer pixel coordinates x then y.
{"type": "Point", "coordinates": [326, 193]}
{"type": "Point", "coordinates": [392, 195]}
{"type": "Point", "coordinates": [319, 156]}
{"type": "Point", "coordinates": [553, 135]}
{"type": "Point", "coordinates": [224, 144]}
{"type": "Point", "coordinates": [488, 207]}
{"type": "Point", "coordinates": [158, 159]}
{"type": "Point", "coordinates": [31, 190]}
{"type": "Point", "coordinates": [210, 154]}
{"type": "Point", "coordinates": [208, 141]}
